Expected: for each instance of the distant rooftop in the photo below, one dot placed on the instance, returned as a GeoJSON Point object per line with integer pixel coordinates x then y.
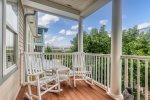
{"type": "Point", "coordinates": [41, 29]}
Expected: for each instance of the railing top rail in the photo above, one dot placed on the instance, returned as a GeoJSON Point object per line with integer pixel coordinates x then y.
{"type": "Point", "coordinates": [58, 53]}
{"type": "Point", "coordinates": [33, 53]}
{"type": "Point", "coordinates": [93, 54]}
{"type": "Point", "coordinates": [47, 53]}
{"type": "Point", "coordinates": [96, 54]}
{"type": "Point", "coordinates": [136, 57]}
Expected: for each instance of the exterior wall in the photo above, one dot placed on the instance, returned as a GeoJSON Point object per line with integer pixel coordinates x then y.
{"type": "Point", "coordinates": [10, 88]}
{"type": "Point", "coordinates": [30, 39]}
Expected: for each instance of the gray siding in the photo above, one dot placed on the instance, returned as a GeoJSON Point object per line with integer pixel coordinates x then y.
{"type": "Point", "coordinates": [21, 40]}
{"type": "Point", "coordinates": [11, 85]}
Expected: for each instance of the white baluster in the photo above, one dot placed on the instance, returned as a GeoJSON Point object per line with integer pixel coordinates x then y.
{"type": "Point", "coordinates": [138, 80]}
{"type": "Point", "coordinates": [131, 74]}
{"type": "Point", "coordinates": [101, 69]}
{"type": "Point", "coordinates": [96, 68]}
{"type": "Point", "coordinates": [126, 72]}
{"type": "Point", "coordinates": [108, 64]}
{"type": "Point", "coordinates": [146, 80]}
{"type": "Point", "coordinates": [105, 70]}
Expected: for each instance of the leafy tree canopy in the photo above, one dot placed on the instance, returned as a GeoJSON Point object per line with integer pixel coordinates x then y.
{"type": "Point", "coordinates": [99, 41]}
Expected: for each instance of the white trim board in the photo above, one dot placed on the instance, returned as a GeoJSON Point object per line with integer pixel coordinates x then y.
{"type": "Point", "coordinates": [61, 10]}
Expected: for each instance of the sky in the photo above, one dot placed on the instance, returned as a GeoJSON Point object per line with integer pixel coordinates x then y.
{"type": "Point", "coordinates": [61, 31]}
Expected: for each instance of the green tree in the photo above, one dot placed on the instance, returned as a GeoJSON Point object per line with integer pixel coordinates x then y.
{"type": "Point", "coordinates": [48, 49]}
{"type": "Point", "coordinates": [94, 42]}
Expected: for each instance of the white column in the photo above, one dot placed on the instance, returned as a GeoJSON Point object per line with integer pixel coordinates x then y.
{"type": "Point", "coordinates": [43, 48]}
{"type": "Point", "coordinates": [116, 50]}
{"type": "Point", "coordinates": [80, 36]}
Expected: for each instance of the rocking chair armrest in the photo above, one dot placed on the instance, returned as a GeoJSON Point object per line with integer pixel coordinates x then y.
{"type": "Point", "coordinates": [36, 74]}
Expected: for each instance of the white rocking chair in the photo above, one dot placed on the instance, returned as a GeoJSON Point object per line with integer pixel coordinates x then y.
{"type": "Point", "coordinates": [80, 70]}
{"type": "Point", "coordinates": [36, 77]}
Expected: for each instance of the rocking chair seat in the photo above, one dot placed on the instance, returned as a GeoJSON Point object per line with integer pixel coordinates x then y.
{"type": "Point", "coordinates": [47, 79]}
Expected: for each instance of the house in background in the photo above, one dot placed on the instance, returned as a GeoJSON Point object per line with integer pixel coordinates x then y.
{"type": "Point", "coordinates": [60, 49]}
{"type": "Point", "coordinates": [39, 44]}
{"type": "Point", "coordinates": [31, 29]}
{"type": "Point", "coordinates": [18, 30]}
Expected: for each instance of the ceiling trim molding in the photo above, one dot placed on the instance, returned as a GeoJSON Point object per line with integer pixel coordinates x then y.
{"type": "Point", "coordinates": [57, 6]}
{"type": "Point", "coordinates": [95, 6]}
{"type": "Point", "coordinates": [49, 9]}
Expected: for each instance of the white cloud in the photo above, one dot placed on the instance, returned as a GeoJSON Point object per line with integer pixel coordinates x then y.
{"type": "Point", "coordinates": [50, 39]}
{"type": "Point", "coordinates": [67, 32]}
{"type": "Point", "coordinates": [124, 28]}
{"type": "Point", "coordinates": [74, 27]}
{"type": "Point", "coordinates": [62, 44]}
{"type": "Point", "coordinates": [56, 41]}
{"type": "Point", "coordinates": [46, 19]}
{"type": "Point", "coordinates": [90, 28]}
{"type": "Point", "coordinates": [60, 38]}
{"type": "Point", "coordinates": [143, 25]}
{"type": "Point", "coordinates": [103, 22]}
{"type": "Point", "coordinates": [62, 31]}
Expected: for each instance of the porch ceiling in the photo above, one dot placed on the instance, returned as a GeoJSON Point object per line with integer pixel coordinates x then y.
{"type": "Point", "coordinates": [73, 9]}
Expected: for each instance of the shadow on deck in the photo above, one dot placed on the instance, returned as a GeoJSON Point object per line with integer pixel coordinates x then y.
{"type": "Point", "coordinates": [82, 92]}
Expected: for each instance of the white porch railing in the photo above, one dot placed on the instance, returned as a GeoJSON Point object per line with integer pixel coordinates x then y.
{"type": "Point", "coordinates": [132, 76]}
{"type": "Point", "coordinates": [100, 64]}
{"type": "Point", "coordinates": [135, 75]}
{"type": "Point", "coordinates": [101, 68]}
{"type": "Point", "coordinates": [52, 59]}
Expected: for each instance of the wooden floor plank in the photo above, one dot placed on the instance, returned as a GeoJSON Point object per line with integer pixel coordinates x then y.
{"type": "Point", "coordinates": [21, 93]}
{"type": "Point", "coordinates": [79, 95]}
{"type": "Point", "coordinates": [102, 92]}
{"type": "Point", "coordinates": [94, 91]}
{"type": "Point", "coordinates": [82, 92]}
{"type": "Point", "coordinates": [91, 93]}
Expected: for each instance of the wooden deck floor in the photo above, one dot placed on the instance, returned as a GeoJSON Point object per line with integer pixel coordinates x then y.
{"type": "Point", "coordinates": [82, 92]}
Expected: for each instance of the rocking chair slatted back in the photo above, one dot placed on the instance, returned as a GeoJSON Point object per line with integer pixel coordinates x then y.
{"type": "Point", "coordinates": [34, 63]}
{"type": "Point", "coordinates": [78, 61]}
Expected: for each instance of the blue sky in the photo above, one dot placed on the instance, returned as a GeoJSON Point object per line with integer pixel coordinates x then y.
{"type": "Point", "coordinates": [61, 31]}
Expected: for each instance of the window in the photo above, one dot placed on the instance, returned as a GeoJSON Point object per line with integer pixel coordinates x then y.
{"type": "Point", "coordinates": [12, 14]}
{"type": "Point", "coordinates": [10, 49]}
{"type": "Point", "coordinates": [10, 43]}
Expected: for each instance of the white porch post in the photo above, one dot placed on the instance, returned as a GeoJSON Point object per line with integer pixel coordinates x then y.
{"type": "Point", "coordinates": [80, 36]}
{"type": "Point", "coordinates": [43, 48]}
{"type": "Point", "coordinates": [116, 50]}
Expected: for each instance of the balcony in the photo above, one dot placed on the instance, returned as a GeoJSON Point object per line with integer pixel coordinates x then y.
{"type": "Point", "coordinates": [101, 74]}
{"type": "Point", "coordinates": [111, 73]}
